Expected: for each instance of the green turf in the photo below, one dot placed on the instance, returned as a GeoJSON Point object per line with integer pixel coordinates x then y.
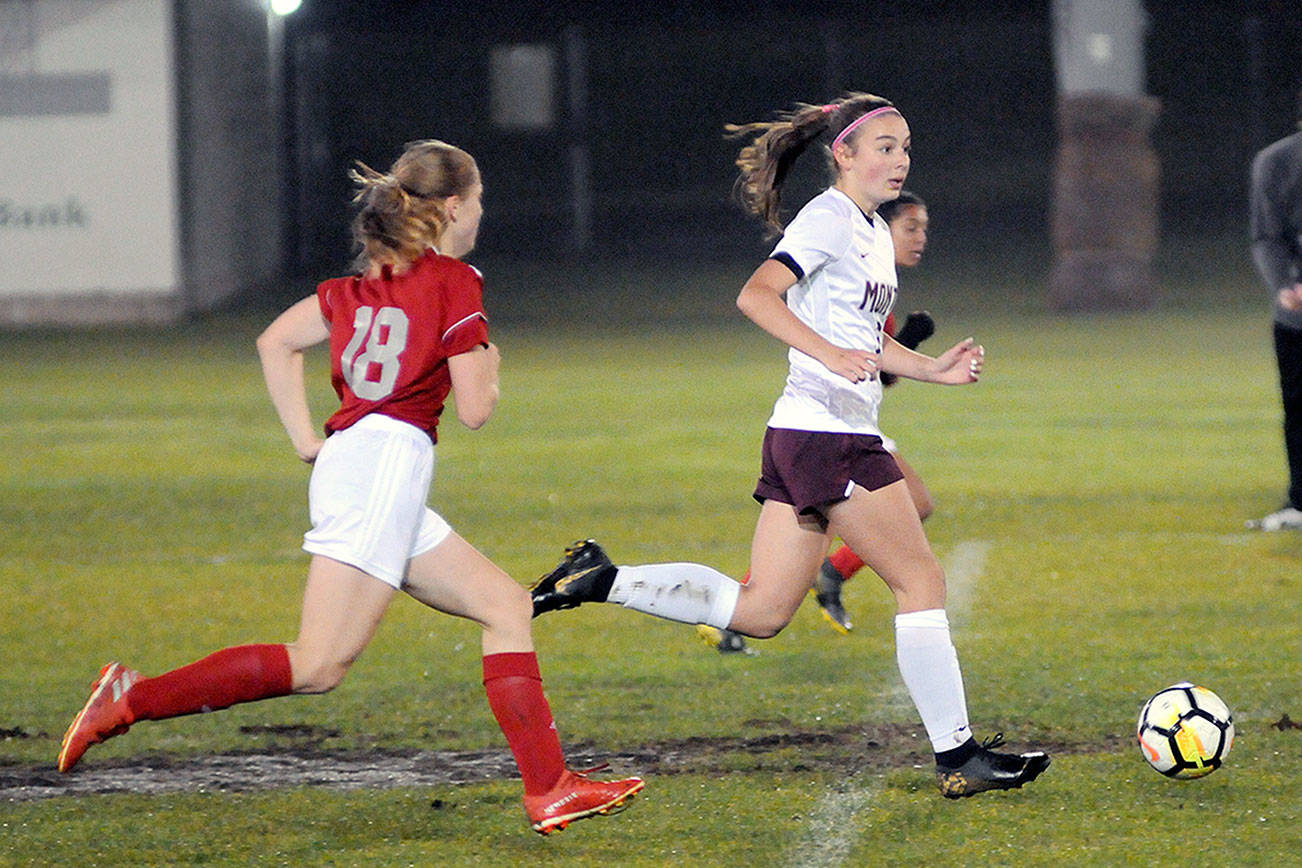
{"type": "Point", "coordinates": [151, 508]}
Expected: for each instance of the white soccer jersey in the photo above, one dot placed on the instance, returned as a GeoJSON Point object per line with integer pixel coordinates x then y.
{"type": "Point", "coordinates": [845, 262]}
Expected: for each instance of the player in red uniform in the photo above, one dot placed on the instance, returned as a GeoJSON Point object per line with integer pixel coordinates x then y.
{"type": "Point", "coordinates": [404, 332]}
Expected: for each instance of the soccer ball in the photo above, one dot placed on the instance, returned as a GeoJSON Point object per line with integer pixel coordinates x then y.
{"type": "Point", "coordinates": [1185, 731]}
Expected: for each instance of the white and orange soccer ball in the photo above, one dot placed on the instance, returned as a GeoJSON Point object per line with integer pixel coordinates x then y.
{"type": "Point", "coordinates": [1185, 731]}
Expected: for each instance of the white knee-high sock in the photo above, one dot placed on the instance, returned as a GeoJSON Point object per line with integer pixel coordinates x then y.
{"type": "Point", "coordinates": [691, 593]}
{"type": "Point", "coordinates": [929, 665]}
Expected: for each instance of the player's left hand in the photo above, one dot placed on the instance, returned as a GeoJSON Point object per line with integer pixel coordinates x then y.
{"type": "Point", "coordinates": [960, 364]}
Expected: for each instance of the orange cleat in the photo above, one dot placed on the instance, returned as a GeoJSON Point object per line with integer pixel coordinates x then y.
{"type": "Point", "coordinates": [103, 716]}
{"type": "Point", "coordinates": [575, 797]}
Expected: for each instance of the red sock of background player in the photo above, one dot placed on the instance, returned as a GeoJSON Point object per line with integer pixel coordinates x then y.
{"type": "Point", "coordinates": [244, 673]}
{"type": "Point", "coordinates": [846, 562]}
{"type": "Point", "coordinates": [514, 686]}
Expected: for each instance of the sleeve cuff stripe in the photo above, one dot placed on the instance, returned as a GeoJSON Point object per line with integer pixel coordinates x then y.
{"type": "Point", "coordinates": [462, 322]}
{"type": "Point", "coordinates": [785, 259]}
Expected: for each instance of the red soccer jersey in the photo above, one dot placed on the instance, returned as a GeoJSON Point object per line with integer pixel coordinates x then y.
{"type": "Point", "coordinates": [391, 338]}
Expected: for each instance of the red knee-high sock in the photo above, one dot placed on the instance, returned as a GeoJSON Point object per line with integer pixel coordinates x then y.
{"type": "Point", "coordinates": [241, 674]}
{"type": "Point", "coordinates": [846, 562]}
{"type": "Point", "coordinates": [514, 687]}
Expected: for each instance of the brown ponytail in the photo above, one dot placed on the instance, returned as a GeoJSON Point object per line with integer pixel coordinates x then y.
{"type": "Point", "coordinates": [775, 145]}
{"type": "Point", "coordinates": [403, 211]}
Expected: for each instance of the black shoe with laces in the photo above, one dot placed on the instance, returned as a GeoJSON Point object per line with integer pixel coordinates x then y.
{"type": "Point", "coordinates": [827, 591]}
{"type": "Point", "coordinates": [584, 575]}
{"type": "Point", "coordinates": [984, 769]}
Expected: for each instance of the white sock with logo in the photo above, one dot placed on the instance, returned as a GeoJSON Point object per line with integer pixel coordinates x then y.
{"type": "Point", "coordinates": [929, 666]}
{"type": "Point", "coordinates": [690, 593]}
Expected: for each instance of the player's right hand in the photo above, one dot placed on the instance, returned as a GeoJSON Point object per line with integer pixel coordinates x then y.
{"type": "Point", "coordinates": [1291, 298]}
{"type": "Point", "coordinates": [855, 365]}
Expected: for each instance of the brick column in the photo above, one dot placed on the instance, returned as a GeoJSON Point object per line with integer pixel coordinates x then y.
{"type": "Point", "coordinates": [1105, 203]}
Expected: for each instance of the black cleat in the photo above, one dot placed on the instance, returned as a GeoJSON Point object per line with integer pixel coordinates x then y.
{"type": "Point", "coordinates": [918, 326]}
{"type": "Point", "coordinates": [583, 576]}
{"type": "Point", "coordinates": [987, 770]}
{"type": "Point", "coordinates": [723, 641]}
{"type": "Point", "coordinates": [827, 591]}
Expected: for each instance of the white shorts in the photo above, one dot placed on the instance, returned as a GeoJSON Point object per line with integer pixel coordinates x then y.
{"type": "Point", "coordinates": [367, 498]}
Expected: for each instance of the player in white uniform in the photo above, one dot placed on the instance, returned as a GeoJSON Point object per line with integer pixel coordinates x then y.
{"type": "Point", "coordinates": [826, 292]}
{"type": "Point", "coordinates": [843, 260]}
{"type": "Point", "coordinates": [908, 221]}
{"type": "Point", "coordinates": [907, 218]}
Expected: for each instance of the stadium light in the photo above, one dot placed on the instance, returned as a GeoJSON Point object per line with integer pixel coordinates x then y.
{"type": "Point", "coordinates": [277, 10]}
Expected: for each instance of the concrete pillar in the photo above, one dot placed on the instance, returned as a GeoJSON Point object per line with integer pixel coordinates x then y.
{"type": "Point", "coordinates": [1105, 180]}
{"type": "Point", "coordinates": [1105, 202]}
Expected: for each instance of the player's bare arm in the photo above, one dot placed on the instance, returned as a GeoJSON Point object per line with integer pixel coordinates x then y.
{"type": "Point", "coordinates": [959, 365]}
{"type": "Point", "coordinates": [281, 348]}
{"type": "Point", "coordinates": [761, 301]}
{"type": "Point", "coordinates": [474, 384]}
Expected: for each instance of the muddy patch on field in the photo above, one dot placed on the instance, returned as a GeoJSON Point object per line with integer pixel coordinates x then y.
{"type": "Point", "coordinates": [848, 750]}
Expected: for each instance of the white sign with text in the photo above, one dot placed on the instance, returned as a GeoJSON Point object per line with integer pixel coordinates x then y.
{"type": "Point", "coordinates": [88, 186]}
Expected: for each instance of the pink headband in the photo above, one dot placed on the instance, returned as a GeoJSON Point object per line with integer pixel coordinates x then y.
{"type": "Point", "coordinates": [863, 117]}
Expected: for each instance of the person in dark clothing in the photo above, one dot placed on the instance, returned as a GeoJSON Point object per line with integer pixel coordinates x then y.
{"type": "Point", "coordinates": [1276, 228]}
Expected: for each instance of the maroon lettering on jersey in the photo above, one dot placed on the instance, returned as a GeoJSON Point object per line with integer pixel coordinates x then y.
{"type": "Point", "coordinates": [878, 297]}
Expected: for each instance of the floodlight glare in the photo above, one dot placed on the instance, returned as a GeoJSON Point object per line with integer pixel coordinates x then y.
{"type": "Point", "coordinates": [285, 7]}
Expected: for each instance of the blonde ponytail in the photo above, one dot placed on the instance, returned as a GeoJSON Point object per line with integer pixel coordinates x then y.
{"type": "Point", "coordinates": [403, 211]}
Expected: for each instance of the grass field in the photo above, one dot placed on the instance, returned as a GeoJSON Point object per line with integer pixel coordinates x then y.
{"type": "Point", "coordinates": [1091, 496]}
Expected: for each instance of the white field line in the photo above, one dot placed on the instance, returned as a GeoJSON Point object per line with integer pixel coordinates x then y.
{"type": "Point", "coordinates": [831, 829]}
{"type": "Point", "coordinates": [963, 568]}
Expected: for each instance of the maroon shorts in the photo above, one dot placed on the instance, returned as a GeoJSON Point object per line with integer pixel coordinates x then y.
{"type": "Point", "coordinates": [813, 469]}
